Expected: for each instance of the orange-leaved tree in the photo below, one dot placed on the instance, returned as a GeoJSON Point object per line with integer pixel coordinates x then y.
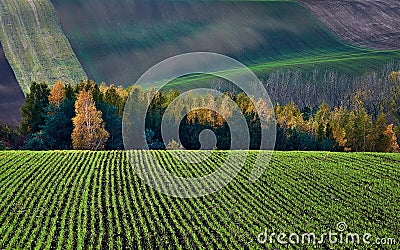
{"type": "Point", "coordinates": [57, 93]}
{"type": "Point", "coordinates": [89, 132]}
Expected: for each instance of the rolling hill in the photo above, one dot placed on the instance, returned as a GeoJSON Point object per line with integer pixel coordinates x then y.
{"type": "Point", "coordinates": [368, 23]}
{"type": "Point", "coordinates": [117, 41]}
{"type": "Point", "coordinates": [35, 44]}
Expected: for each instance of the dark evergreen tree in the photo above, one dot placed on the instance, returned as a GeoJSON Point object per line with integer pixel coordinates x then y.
{"type": "Point", "coordinates": [300, 140]}
{"type": "Point", "coordinates": [58, 125]}
{"type": "Point", "coordinates": [35, 142]}
{"type": "Point", "coordinates": [112, 98]}
{"type": "Point", "coordinates": [33, 109]}
{"type": "Point", "coordinates": [281, 140]}
{"type": "Point", "coordinates": [113, 125]}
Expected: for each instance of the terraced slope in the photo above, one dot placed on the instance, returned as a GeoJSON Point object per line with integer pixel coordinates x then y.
{"type": "Point", "coordinates": [116, 41]}
{"type": "Point", "coordinates": [35, 44]}
{"type": "Point", "coordinates": [95, 200]}
{"type": "Point", "coordinates": [11, 96]}
{"type": "Point", "coordinates": [369, 23]}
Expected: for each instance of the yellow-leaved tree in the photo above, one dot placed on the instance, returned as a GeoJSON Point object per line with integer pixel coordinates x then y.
{"type": "Point", "coordinates": [89, 132]}
{"type": "Point", "coordinates": [57, 93]}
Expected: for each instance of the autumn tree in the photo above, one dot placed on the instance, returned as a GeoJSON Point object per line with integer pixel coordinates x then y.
{"type": "Point", "coordinates": [58, 118]}
{"type": "Point", "coordinates": [357, 129]}
{"type": "Point", "coordinates": [339, 119]}
{"type": "Point", "coordinates": [57, 93]}
{"type": "Point", "coordinates": [321, 121]}
{"type": "Point", "coordinates": [110, 101]}
{"type": "Point", "coordinates": [381, 137]}
{"type": "Point", "coordinates": [112, 97]}
{"type": "Point", "coordinates": [394, 76]}
{"type": "Point", "coordinates": [393, 144]}
{"type": "Point", "coordinates": [289, 116]}
{"type": "Point", "coordinates": [89, 129]}
{"type": "Point", "coordinates": [174, 145]}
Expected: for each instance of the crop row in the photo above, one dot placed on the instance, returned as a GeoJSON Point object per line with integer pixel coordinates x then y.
{"type": "Point", "coordinates": [85, 200]}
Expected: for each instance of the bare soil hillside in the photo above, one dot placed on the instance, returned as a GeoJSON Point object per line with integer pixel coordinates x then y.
{"type": "Point", "coordinates": [368, 23]}
{"type": "Point", "coordinates": [11, 96]}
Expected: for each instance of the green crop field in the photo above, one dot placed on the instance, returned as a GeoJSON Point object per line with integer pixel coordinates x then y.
{"type": "Point", "coordinates": [117, 41]}
{"type": "Point", "coordinates": [35, 44]}
{"type": "Point", "coordinates": [94, 200]}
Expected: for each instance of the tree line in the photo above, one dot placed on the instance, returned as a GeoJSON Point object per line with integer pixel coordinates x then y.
{"type": "Point", "coordinates": [307, 89]}
{"type": "Point", "coordinates": [89, 116]}
{"type": "Point", "coordinates": [85, 116]}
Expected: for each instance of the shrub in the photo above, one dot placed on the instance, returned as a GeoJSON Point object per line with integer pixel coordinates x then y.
{"type": "Point", "coordinates": [174, 145]}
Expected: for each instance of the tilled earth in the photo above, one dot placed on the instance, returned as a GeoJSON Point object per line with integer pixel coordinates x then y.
{"type": "Point", "coordinates": [368, 23]}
